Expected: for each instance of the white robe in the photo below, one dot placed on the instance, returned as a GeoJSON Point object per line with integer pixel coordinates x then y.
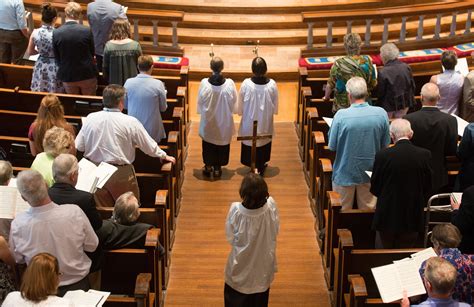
{"type": "Point", "coordinates": [216, 104]}
{"type": "Point", "coordinates": [257, 102]}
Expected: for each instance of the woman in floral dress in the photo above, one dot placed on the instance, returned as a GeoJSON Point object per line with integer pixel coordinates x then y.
{"type": "Point", "coordinates": [41, 41]}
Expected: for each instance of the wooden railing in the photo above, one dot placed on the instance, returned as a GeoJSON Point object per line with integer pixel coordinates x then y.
{"type": "Point", "coordinates": [399, 17]}
{"type": "Point", "coordinates": [137, 18]}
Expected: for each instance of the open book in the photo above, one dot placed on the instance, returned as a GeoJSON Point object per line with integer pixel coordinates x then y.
{"type": "Point", "coordinates": [91, 298]}
{"type": "Point", "coordinates": [92, 177]}
{"type": "Point", "coordinates": [328, 121]}
{"type": "Point", "coordinates": [11, 202]}
{"type": "Point", "coordinates": [457, 197]}
{"type": "Point", "coordinates": [461, 124]}
{"type": "Point", "coordinates": [402, 275]}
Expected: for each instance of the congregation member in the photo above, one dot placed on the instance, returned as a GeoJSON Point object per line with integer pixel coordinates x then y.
{"type": "Point", "coordinates": [216, 103]}
{"type": "Point", "coordinates": [111, 136]}
{"type": "Point", "coordinates": [450, 84]}
{"type": "Point", "coordinates": [436, 131]}
{"type": "Point", "coordinates": [65, 174]}
{"type": "Point", "coordinates": [56, 141]}
{"type": "Point", "coordinates": [73, 47]}
{"type": "Point", "coordinates": [101, 14]}
{"type": "Point", "coordinates": [344, 68]}
{"type": "Point", "coordinates": [50, 114]}
{"type": "Point", "coordinates": [258, 100]}
{"type": "Point", "coordinates": [395, 83]}
{"type": "Point", "coordinates": [146, 99]}
{"type": "Point", "coordinates": [39, 284]}
{"type": "Point", "coordinates": [357, 133]}
{"type": "Point", "coordinates": [463, 218]}
{"type": "Point", "coordinates": [6, 172]}
{"type": "Point", "coordinates": [41, 41]}
{"type": "Point", "coordinates": [445, 239]}
{"type": "Point", "coordinates": [7, 270]}
{"type": "Point", "coordinates": [465, 153]}
{"type": "Point", "coordinates": [467, 109]}
{"type": "Point", "coordinates": [63, 231]}
{"type": "Point", "coordinates": [252, 227]}
{"type": "Point", "coordinates": [13, 31]}
{"type": "Point", "coordinates": [439, 279]}
{"type": "Point", "coordinates": [401, 181]}
{"type": "Point", "coordinates": [120, 54]}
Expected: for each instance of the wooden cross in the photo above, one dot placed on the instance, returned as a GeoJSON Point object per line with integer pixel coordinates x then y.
{"type": "Point", "coordinates": [254, 137]}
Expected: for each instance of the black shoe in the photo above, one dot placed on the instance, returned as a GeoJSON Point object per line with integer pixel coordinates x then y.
{"type": "Point", "coordinates": [207, 170]}
{"type": "Point", "coordinates": [262, 169]}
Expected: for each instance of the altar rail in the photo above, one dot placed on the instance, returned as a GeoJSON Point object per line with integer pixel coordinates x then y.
{"type": "Point", "coordinates": [395, 17]}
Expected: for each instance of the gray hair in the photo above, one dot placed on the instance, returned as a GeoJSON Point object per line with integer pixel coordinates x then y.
{"type": "Point", "coordinates": [430, 93]}
{"type": "Point", "coordinates": [6, 172]}
{"type": "Point", "coordinates": [352, 43]}
{"type": "Point", "coordinates": [32, 187]}
{"type": "Point", "coordinates": [357, 88]}
{"type": "Point", "coordinates": [64, 166]}
{"type": "Point", "coordinates": [389, 52]}
{"type": "Point", "coordinates": [400, 128]}
{"type": "Point", "coordinates": [126, 209]}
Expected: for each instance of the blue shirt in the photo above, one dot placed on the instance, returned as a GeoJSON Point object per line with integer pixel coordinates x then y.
{"type": "Point", "coordinates": [356, 135]}
{"type": "Point", "coordinates": [146, 98]}
{"type": "Point", "coordinates": [439, 302]}
{"type": "Point", "coordinates": [12, 15]}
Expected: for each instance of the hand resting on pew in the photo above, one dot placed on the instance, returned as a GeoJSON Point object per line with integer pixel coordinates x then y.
{"type": "Point", "coordinates": [169, 159]}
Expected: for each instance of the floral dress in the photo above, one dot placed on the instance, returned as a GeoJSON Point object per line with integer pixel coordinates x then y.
{"type": "Point", "coordinates": [6, 281]}
{"type": "Point", "coordinates": [45, 70]}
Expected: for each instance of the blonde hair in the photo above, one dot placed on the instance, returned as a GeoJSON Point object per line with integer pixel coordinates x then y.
{"type": "Point", "coordinates": [73, 10]}
{"type": "Point", "coordinates": [352, 43]}
{"type": "Point", "coordinates": [41, 278]}
{"type": "Point", "coordinates": [441, 274]}
{"type": "Point", "coordinates": [120, 29]}
{"type": "Point", "coordinates": [57, 141]}
{"type": "Point", "coordinates": [6, 172]}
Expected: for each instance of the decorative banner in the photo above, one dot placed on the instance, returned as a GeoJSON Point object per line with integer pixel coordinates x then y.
{"type": "Point", "coordinates": [463, 50]}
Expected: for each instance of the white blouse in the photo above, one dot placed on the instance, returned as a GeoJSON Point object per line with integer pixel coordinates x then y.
{"type": "Point", "coordinates": [252, 233]}
{"type": "Point", "coordinates": [14, 299]}
{"type": "Point", "coordinates": [216, 104]}
{"type": "Point", "coordinates": [257, 102]}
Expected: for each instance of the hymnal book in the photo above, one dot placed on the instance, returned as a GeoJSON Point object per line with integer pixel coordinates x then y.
{"type": "Point", "coordinates": [401, 275]}
{"type": "Point", "coordinates": [92, 177]}
{"type": "Point", "coordinates": [11, 202]}
{"type": "Point", "coordinates": [328, 121]}
{"type": "Point", "coordinates": [462, 124]}
{"type": "Point", "coordinates": [91, 298]}
{"type": "Point", "coordinates": [457, 197]}
{"type": "Point", "coordinates": [369, 173]}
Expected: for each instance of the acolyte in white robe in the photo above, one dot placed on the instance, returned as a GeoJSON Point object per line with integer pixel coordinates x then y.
{"type": "Point", "coordinates": [257, 102]}
{"type": "Point", "coordinates": [216, 104]}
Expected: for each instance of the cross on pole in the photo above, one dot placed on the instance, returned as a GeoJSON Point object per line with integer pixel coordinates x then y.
{"type": "Point", "coordinates": [254, 137]}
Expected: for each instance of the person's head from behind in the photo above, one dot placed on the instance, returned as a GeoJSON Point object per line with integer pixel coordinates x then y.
{"type": "Point", "coordinates": [356, 88]}
{"type": "Point", "coordinates": [65, 169]}
{"type": "Point", "coordinates": [48, 13]}
{"type": "Point", "coordinates": [253, 191]}
{"type": "Point", "coordinates": [73, 10]}
{"type": "Point", "coordinates": [41, 278]}
{"type": "Point", "coordinates": [440, 277]}
{"type": "Point", "coordinates": [449, 59]}
{"type": "Point", "coordinates": [120, 29]}
{"type": "Point", "coordinates": [33, 188]}
{"type": "Point", "coordinates": [113, 96]}
{"type": "Point", "coordinates": [50, 113]}
{"type": "Point", "coordinates": [6, 172]}
{"type": "Point", "coordinates": [145, 64]}
{"type": "Point", "coordinates": [352, 43]}
{"type": "Point", "coordinates": [126, 209]}
{"type": "Point", "coordinates": [400, 128]}
{"type": "Point", "coordinates": [57, 141]}
{"type": "Point", "coordinates": [259, 67]}
{"type": "Point", "coordinates": [445, 236]}
{"type": "Point", "coordinates": [429, 94]}
{"type": "Point", "coordinates": [217, 65]}
{"type": "Point", "coordinates": [389, 52]}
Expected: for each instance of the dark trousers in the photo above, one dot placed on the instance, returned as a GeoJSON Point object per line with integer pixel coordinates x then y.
{"type": "Point", "coordinates": [98, 61]}
{"type": "Point", "coordinates": [82, 284]}
{"type": "Point", "coordinates": [12, 46]}
{"type": "Point", "coordinates": [233, 298]}
{"type": "Point", "coordinates": [399, 240]}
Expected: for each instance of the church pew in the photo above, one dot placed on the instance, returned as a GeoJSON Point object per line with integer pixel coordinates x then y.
{"type": "Point", "coordinates": [357, 296]}
{"type": "Point", "coordinates": [352, 260]}
{"type": "Point", "coordinates": [141, 295]}
{"type": "Point", "coordinates": [121, 266]}
{"type": "Point", "coordinates": [325, 184]}
{"type": "Point", "coordinates": [17, 150]}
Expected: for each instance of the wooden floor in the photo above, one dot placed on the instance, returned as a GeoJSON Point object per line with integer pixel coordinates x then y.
{"type": "Point", "coordinates": [200, 250]}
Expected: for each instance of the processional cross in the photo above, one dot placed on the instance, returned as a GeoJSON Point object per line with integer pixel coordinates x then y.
{"type": "Point", "coordinates": [254, 137]}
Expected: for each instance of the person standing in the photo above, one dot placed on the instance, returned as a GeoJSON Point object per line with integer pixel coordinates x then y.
{"type": "Point", "coordinates": [101, 14]}
{"type": "Point", "coordinates": [356, 135]}
{"type": "Point", "coordinates": [258, 100]}
{"type": "Point", "coordinates": [13, 31]}
{"type": "Point", "coordinates": [216, 103]}
{"type": "Point", "coordinates": [146, 99]}
{"type": "Point", "coordinates": [252, 228]}
{"type": "Point", "coordinates": [73, 47]}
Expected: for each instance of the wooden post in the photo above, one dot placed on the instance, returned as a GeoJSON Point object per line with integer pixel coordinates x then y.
{"type": "Point", "coordinates": [368, 23]}
{"type": "Point", "coordinates": [174, 38]}
{"type": "Point", "coordinates": [155, 33]}
{"type": "Point", "coordinates": [403, 31]}
{"type": "Point", "coordinates": [309, 40]}
{"type": "Point", "coordinates": [468, 22]}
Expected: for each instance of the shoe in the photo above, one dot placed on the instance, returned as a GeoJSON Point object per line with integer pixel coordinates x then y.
{"type": "Point", "coordinates": [207, 170]}
{"type": "Point", "coordinates": [217, 171]}
{"type": "Point", "coordinates": [261, 171]}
